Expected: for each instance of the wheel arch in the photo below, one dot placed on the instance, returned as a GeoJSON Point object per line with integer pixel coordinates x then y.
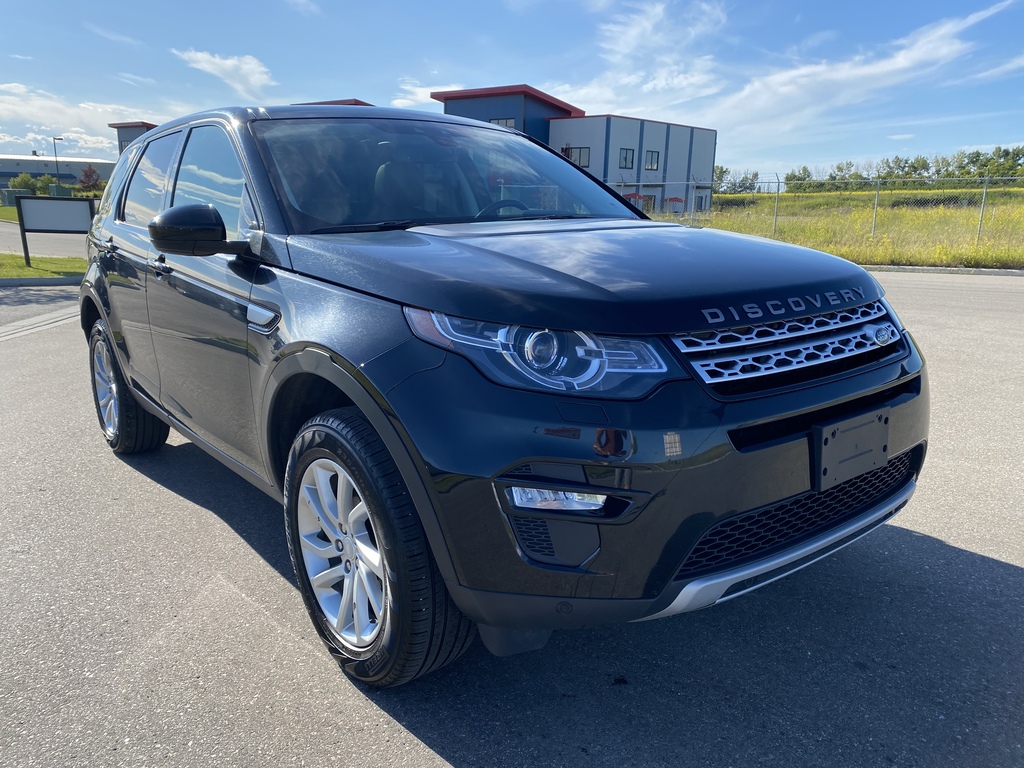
{"type": "Point", "coordinates": [89, 313]}
{"type": "Point", "coordinates": [311, 381]}
{"type": "Point", "coordinates": [92, 306]}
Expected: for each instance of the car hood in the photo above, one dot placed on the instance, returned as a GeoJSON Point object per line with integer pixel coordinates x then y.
{"type": "Point", "coordinates": [625, 277]}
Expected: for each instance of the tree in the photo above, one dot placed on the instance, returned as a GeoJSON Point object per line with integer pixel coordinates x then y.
{"type": "Point", "coordinates": [746, 183]}
{"type": "Point", "coordinates": [841, 171]}
{"type": "Point", "coordinates": [801, 174]}
{"type": "Point", "coordinates": [89, 181]}
{"type": "Point", "coordinates": [43, 184]}
{"type": "Point", "coordinates": [720, 174]}
{"type": "Point", "coordinates": [23, 180]}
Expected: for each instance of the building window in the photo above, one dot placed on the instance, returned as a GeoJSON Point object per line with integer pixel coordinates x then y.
{"type": "Point", "coordinates": [579, 155]}
{"type": "Point", "coordinates": [651, 161]}
{"type": "Point", "coordinates": [625, 158]}
{"type": "Point", "coordinates": [504, 122]}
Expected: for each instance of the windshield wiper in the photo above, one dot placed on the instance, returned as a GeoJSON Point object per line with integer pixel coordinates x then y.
{"type": "Point", "coordinates": [549, 216]}
{"type": "Point", "coordinates": [377, 226]}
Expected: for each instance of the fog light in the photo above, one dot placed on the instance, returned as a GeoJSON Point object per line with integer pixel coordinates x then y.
{"type": "Point", "coordinates": [535, 498]}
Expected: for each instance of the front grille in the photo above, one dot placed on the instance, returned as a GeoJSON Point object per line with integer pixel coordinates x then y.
{"type": "Point", "coordinates": [762, 532]}
{"type": "Point", "coordinates": [727, 356]}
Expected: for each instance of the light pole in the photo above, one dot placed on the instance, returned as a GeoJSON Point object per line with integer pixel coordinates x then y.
{"type": "Point", "coordinates": [56, 163]}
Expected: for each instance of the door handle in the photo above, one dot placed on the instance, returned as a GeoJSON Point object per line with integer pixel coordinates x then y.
{"type": "Point", "coordinates": [160, 266]}
{"type": "Point", "coordinates": [107, 246]}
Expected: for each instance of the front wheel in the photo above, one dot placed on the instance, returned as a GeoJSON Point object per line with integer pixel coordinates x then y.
{"type": "Point", "coordinates": [361, 559]}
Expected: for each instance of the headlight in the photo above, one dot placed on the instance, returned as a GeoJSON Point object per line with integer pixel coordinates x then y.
{"type": "Point", "coordinates": [546, 359]}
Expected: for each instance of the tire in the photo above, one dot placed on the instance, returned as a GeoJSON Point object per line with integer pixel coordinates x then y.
{"type": "Point", "coordinates": [363, 565]}
{"type": "Point", "coordinates": [126, 426]}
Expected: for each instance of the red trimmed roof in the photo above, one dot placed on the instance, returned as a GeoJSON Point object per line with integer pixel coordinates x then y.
{"type": "Point", "coordinates": [134, 124]}
{"type": "Point", "coordinates": [508, 90]}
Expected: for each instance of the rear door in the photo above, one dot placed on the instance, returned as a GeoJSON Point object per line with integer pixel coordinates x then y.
{"type": "Point", "coordinates": [198, 306]}
{"type": "Point", "coordinates": [123, 241]}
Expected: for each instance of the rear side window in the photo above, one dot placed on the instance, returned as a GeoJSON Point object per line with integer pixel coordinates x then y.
{"type": "Point", "coordinates": [114, 185]}
{"type": "Point", "coordinates": [145, 196]}
{"type": "Point", "coordinates": [210, 173]}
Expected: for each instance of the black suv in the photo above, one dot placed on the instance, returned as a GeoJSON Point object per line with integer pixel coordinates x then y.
{"type": "Point", "coordinates": [486, 388]}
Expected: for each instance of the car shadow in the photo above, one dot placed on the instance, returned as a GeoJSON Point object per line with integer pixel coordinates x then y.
{"type": "Point", "coordinates": [900, 650]}
{"type": "Point", "coordinates": [187, 471]}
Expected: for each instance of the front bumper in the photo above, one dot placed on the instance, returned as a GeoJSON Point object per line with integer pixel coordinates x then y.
{"type": "Point", "coordinates": [673, 466]}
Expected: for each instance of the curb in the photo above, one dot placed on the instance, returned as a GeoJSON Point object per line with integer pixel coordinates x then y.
{"type": "Point", "coordinates": [944, 270]}
{"type": "Point", "coordinates": [35, 282]}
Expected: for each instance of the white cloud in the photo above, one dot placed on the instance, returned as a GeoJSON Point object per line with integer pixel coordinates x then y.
{"type": "Point", "coordinates": [1013, 65]}
{"type": "Point", "coordinates": [811, 42]}
{"type": "Point", "coordinates": [413, 94]}
{"type": "Point", "coordinates": [788, 104]}
{"type": "Point", "coordinates": [654, 58]}
{"type": "Point", "coordinates": [246, 75]}
{"type": "Point", "coordinates": [306, 7]}
{"type": "Point", "coordinates": [135, 80]}
{"type": "Point", "coordinates": [31, 116]}
{"type": "Point", "coordinates": [657, 29]}
{"type": "Point", "coordinates": [20, 57]}
{"type": "Point", "coordinates": [900, 137]}
{"type": "Point", "coordinates": [112, 36]}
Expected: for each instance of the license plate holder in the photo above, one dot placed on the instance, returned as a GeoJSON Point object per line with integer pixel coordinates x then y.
{"type": "Point", "coordinates": [845, 449]}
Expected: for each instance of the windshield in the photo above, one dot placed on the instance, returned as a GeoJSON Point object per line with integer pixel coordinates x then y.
{"type": "Point", "coordinates": [354, 174]}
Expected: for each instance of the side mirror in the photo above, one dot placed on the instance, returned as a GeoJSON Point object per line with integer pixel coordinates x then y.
{"type": "Point", "coordinates": [192, 230]}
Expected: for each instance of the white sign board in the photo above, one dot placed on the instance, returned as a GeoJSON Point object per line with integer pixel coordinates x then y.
{"type": "Point", "coordinates": [71, 216]}
{"type": "Point", "coordinates": [48, 214]}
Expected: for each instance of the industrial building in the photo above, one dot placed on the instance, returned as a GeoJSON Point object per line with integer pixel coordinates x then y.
{"type": "Point", "coordinates": [36, 165]}
{"type": "Point", "coordinates": [661, 167]}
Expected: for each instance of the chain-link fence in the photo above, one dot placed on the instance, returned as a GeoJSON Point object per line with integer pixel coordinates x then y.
{"type": "Point", "coordinates": [969, 222]}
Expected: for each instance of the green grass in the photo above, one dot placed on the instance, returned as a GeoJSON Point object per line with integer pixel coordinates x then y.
{"type": "Point", "coordinates": [13, 265]}
{"type": "Point", "coordinates": [936, 228]}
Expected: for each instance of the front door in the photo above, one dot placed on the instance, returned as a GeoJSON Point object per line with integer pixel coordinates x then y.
{"type": "Point", "coordinates": [198, 308]}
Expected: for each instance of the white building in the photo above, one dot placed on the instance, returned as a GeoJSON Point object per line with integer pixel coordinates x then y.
{"type": "Point", "coordinates": [660, 167]}
{"type": "Point", "coordinates": [36, 165]}
{"type": "Point", "coordinates": [663, 167]}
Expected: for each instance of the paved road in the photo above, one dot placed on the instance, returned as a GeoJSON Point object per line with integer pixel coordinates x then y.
{"type": "Point", "coordinates": [149, 616]}
{"type": "Point", "coordinates": [40, 244]}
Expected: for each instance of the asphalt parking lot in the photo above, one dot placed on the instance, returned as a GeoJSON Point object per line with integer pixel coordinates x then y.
{"type": "Point", "coordinates": [149, 614]}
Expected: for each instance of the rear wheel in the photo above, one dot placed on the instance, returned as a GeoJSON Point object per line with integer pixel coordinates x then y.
{"type": "Point", "coordinates": [361, 559]}
{"type": "Point", "coordinates": [127, 427]}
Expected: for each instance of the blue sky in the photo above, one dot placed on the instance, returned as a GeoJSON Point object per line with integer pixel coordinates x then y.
{"type": "Point", "coordinates": [785, 82]}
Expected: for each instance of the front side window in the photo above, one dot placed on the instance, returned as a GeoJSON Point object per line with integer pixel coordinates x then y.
{"type": "Point", "coordinates": [211, 173]}
{"type": "Point", "coordinates": [625, 158]}
{"type": "Point", "coordinates": [145, 196]}
{"type": "Point", "coordinates": [345, 174]}
{"type": "Point", "coordinates": [651, 161]}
